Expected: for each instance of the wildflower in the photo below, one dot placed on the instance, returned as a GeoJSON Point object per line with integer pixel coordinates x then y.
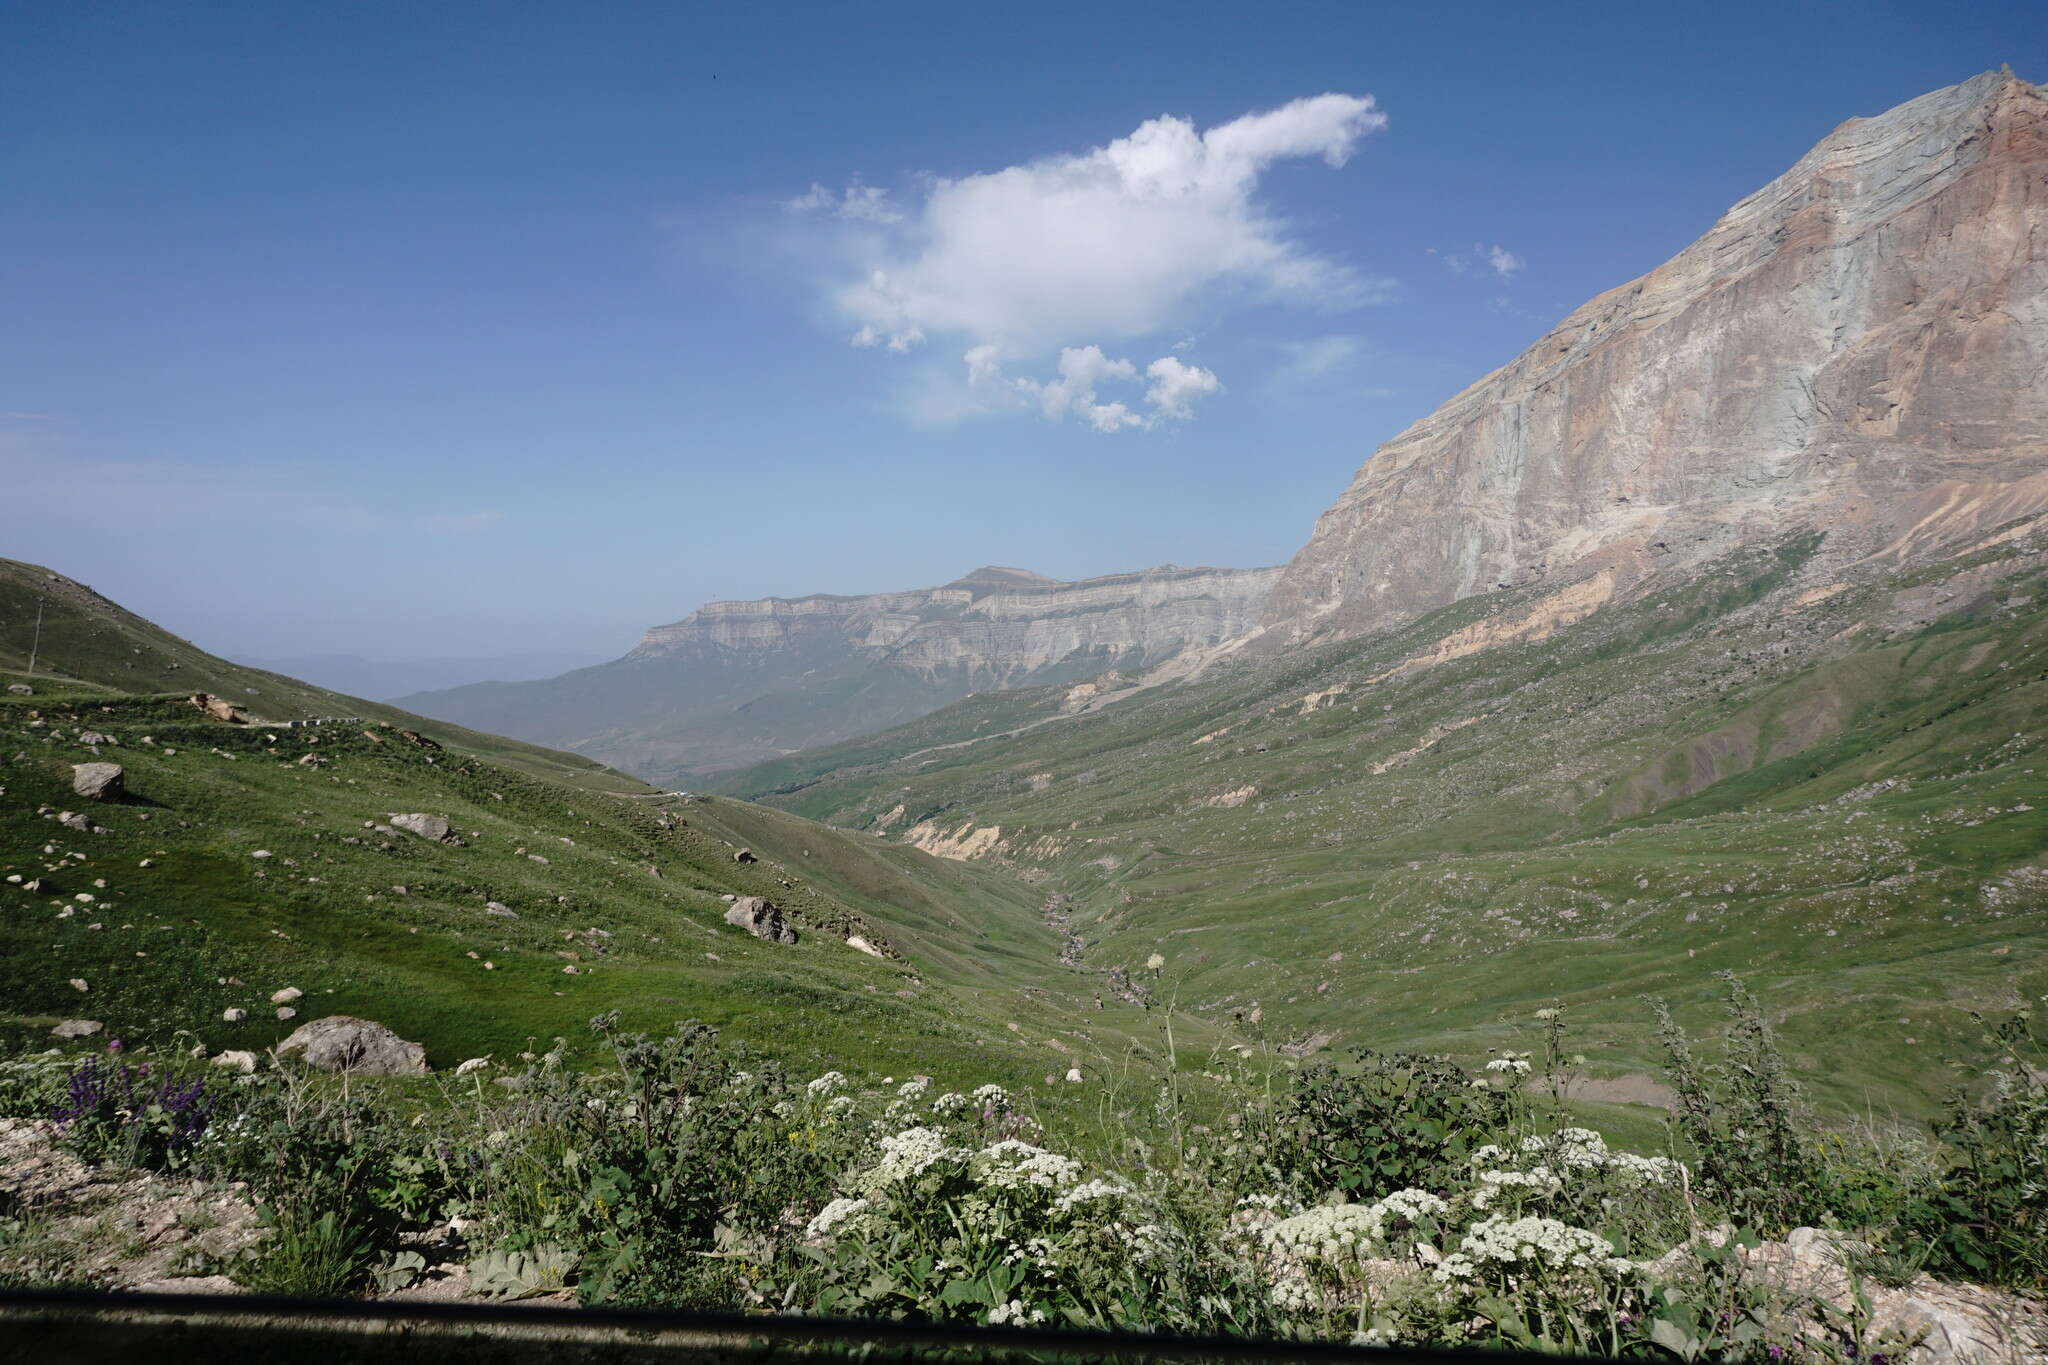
{"type": "Point", "coordinates": [826, 1084]}
{"type": "Point", "coordinates": [836, 1216]}
{"type": "Point", "coordinates": [914, 1089]}
{"type": "Point", "coordinates": [1155, 962]}
{"type": "Point", "coordinates": [1014, 1314]}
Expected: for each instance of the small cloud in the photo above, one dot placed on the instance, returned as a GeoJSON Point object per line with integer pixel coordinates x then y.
{"type": "Point", "coordinates": [858, 203]}
{"type": "Point", "coordinates": [1083, 372]}
{"type": "Point", "coordinates": [1496, 258]}
{"type": "Point", "coordinates": [1309, 362]}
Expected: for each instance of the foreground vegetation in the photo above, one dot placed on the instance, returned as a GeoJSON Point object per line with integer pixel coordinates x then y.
{"type": "Point", "coordinates": [1394, 1198]}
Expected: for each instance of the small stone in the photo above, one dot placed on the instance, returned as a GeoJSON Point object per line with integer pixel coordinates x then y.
{"type": "Point", "coordinates": [501, 910]}
{"type": "Point", "coordinates": [78, 983]}
{"type": "Point", "coordinates": [287, 1012]}
{"type": "Point", "coordinates": [77, 1028]}
{"type": "Point", "coordinates": [238, 1060]}
{"type": "Point", "coordinates": [235, 1015]}
{"type": "Point", "coordinates": [286, 996]}
{"type": "Point", "coordinates": [260, 853]}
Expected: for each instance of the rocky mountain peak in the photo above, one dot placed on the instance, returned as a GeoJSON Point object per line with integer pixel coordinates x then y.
{"type": "Point", "coordinates": [1856, 348]}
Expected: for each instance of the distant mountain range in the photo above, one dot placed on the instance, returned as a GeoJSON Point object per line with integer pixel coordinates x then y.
{"type": "Point", "coordinates": [737, 682]}
{"type": "Point", "coordinates": [385, 679]}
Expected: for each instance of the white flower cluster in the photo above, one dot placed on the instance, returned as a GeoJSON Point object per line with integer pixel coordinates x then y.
{"type": "Point", "coordinates": [914, 1089]}
{"type": "Point", "coordinates": [1510, 1064]}
{"type": "Point", "coordinates": [1014, 1314]}
{"type": "Point", "coordinates": [826, 1084]}
{"type": "Point", "coordinates": [909, 1153]}
{"type": "Point", "coordinates": [1089, 1191]}
{"type": "Point", "coordinates": [1013, 1164]}
{"type": "Point", "coordinates": [1571, 1149]}
{"type": "Point", "coordinates": [950, 1103]}
{"type": "Point", "coordinates": [1493, 1185]}
{"type": "Point", "coordinates": [1524, 1245]}
{"type": "Point", "coordinates": [992, 1097]}
{"type": "Point", "coordinates": [836, 1216]}
{"type": "Point", "coordinates": [1340, 1231]}
{"type": "Point", "coordinates": [839, 1104]}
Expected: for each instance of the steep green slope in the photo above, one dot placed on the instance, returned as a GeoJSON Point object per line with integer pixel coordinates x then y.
{"type": "Point", "coordinates": [81, 641]}
{"type": "Point", "coordinates": [248, 859]}
{"type": "Point", "coordinates": [1833, 789]}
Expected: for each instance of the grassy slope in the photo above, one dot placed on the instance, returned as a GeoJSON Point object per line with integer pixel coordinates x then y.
{"type": "Point", "coordinates": [384, 926]}
{"type": "Point", "coordinates": [89, 642]}
{"type": "Point", "coordinates": [1672, 787]}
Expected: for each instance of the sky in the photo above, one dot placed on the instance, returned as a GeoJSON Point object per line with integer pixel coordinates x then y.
{"type": "Point", "coordinates": [461, 329]}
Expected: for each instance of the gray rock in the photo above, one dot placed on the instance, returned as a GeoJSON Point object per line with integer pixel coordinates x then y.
{"type": "Point", "coordinates": [434, 827]}
{"type": "Point", "coordinates": [342, 1043]}
{"type": "Point", "coordinates": [21, 689]}
{"type": "Point", "coordinates": [73, 820]}
{"type": "Point", "coordinates": [99, 781]}
{"type": "Point", "coordinates": [745, 855]}
{"type": "Point", "coordinates": [77, 1028]}
{"type": "Point", "coordinates": [234, 1016]}
{"type": "Point", "coordinates": [501, 910]}
{"type": "Point", "coordinates": [760, 919]}
{"type": "Point", "coordinates": [286, 996]}
{"type": "Point", "coordinates": [238, 1060]}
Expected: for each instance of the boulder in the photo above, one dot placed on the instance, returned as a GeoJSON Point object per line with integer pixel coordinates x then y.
{"type": "Point", "coordinates": [217, 707]}
{"type": "Point", "coordinates": [342, 1043]}
{"type": "Point", "coordinates": [99, 781]}
{"type": "Point", "coordinates": [760, 919]}
{"type": "Point", "coordinates": [434, 827]}
{"type": "Point", "coordinates": [77, 1028]}
{"type": "Point", "coordinates": [859, 944]}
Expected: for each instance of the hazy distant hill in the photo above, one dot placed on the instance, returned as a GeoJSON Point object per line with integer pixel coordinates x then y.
{"type": "Point", "coordinates": [386, 679]}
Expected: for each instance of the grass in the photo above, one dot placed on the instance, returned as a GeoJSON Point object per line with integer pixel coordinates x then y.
{"type": "Point", "coordinates": [1843, 801]}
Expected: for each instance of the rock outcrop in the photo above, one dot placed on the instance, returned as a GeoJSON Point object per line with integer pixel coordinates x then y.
{"type": "Point", "coordinates": [342, 1043]}
{"type": "Point", "coordinates": [736, 682]}
{"type": "Point", "coordinates": [760, 919]}
{"type": "Point", "coordinates": [1858, 348]}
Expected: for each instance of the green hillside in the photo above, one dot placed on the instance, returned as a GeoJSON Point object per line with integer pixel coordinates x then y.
{"type": "Point", "coordinates": [81, 643]}
{"type": "Point", "coordinates": [1838, 793]}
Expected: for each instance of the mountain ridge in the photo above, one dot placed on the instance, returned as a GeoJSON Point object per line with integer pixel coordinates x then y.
{"type": "Point", "coordinates": [737, 681]}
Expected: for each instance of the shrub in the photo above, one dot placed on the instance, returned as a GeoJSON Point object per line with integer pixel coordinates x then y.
{"type": "Point", "coordinates": [1744, 1119]}
{"type": "Point", "coordinates": [1987, 1218]}
{"type": "Point", "coordinates": [1392, 1122]}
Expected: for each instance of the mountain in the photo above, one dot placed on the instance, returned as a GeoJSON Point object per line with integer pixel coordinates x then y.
{"type": "Point", "coordinates": [79, 641]}
{"type": "Point", "coordinates": [735, 682]}
{"type": "Point", "coordinates": [1710, 634]}
{"type": "Point", "coordinates": [385, 678]}
{"type": "Point", "coordinates": [1857, 348]}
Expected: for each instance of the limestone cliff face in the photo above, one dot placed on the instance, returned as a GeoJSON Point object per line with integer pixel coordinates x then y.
{"type": "Point", "coordinates": [737, 682]}
{"type": "Point", "coordinates": [1861, 347]}
{"type": "Point", "coordinates": [998, 627]}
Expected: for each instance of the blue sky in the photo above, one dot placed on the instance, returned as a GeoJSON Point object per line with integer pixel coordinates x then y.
{"type": "Point", "coordinates": [411, 330]}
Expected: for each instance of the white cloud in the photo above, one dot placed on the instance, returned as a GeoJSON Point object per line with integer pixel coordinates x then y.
{"type": "Point", "coordinates": [1082, 372]}
{"type": "Point", "coordinates": [1064, 255]}
{"type": "Point", "coordinates": [858, 203]}
{"type": "Point", "coordinates": [1496, 258]}
{"type": "Point", "coordinates": [1175, 386]}
{"type": "Point", "coordinates": [1318, 358]}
